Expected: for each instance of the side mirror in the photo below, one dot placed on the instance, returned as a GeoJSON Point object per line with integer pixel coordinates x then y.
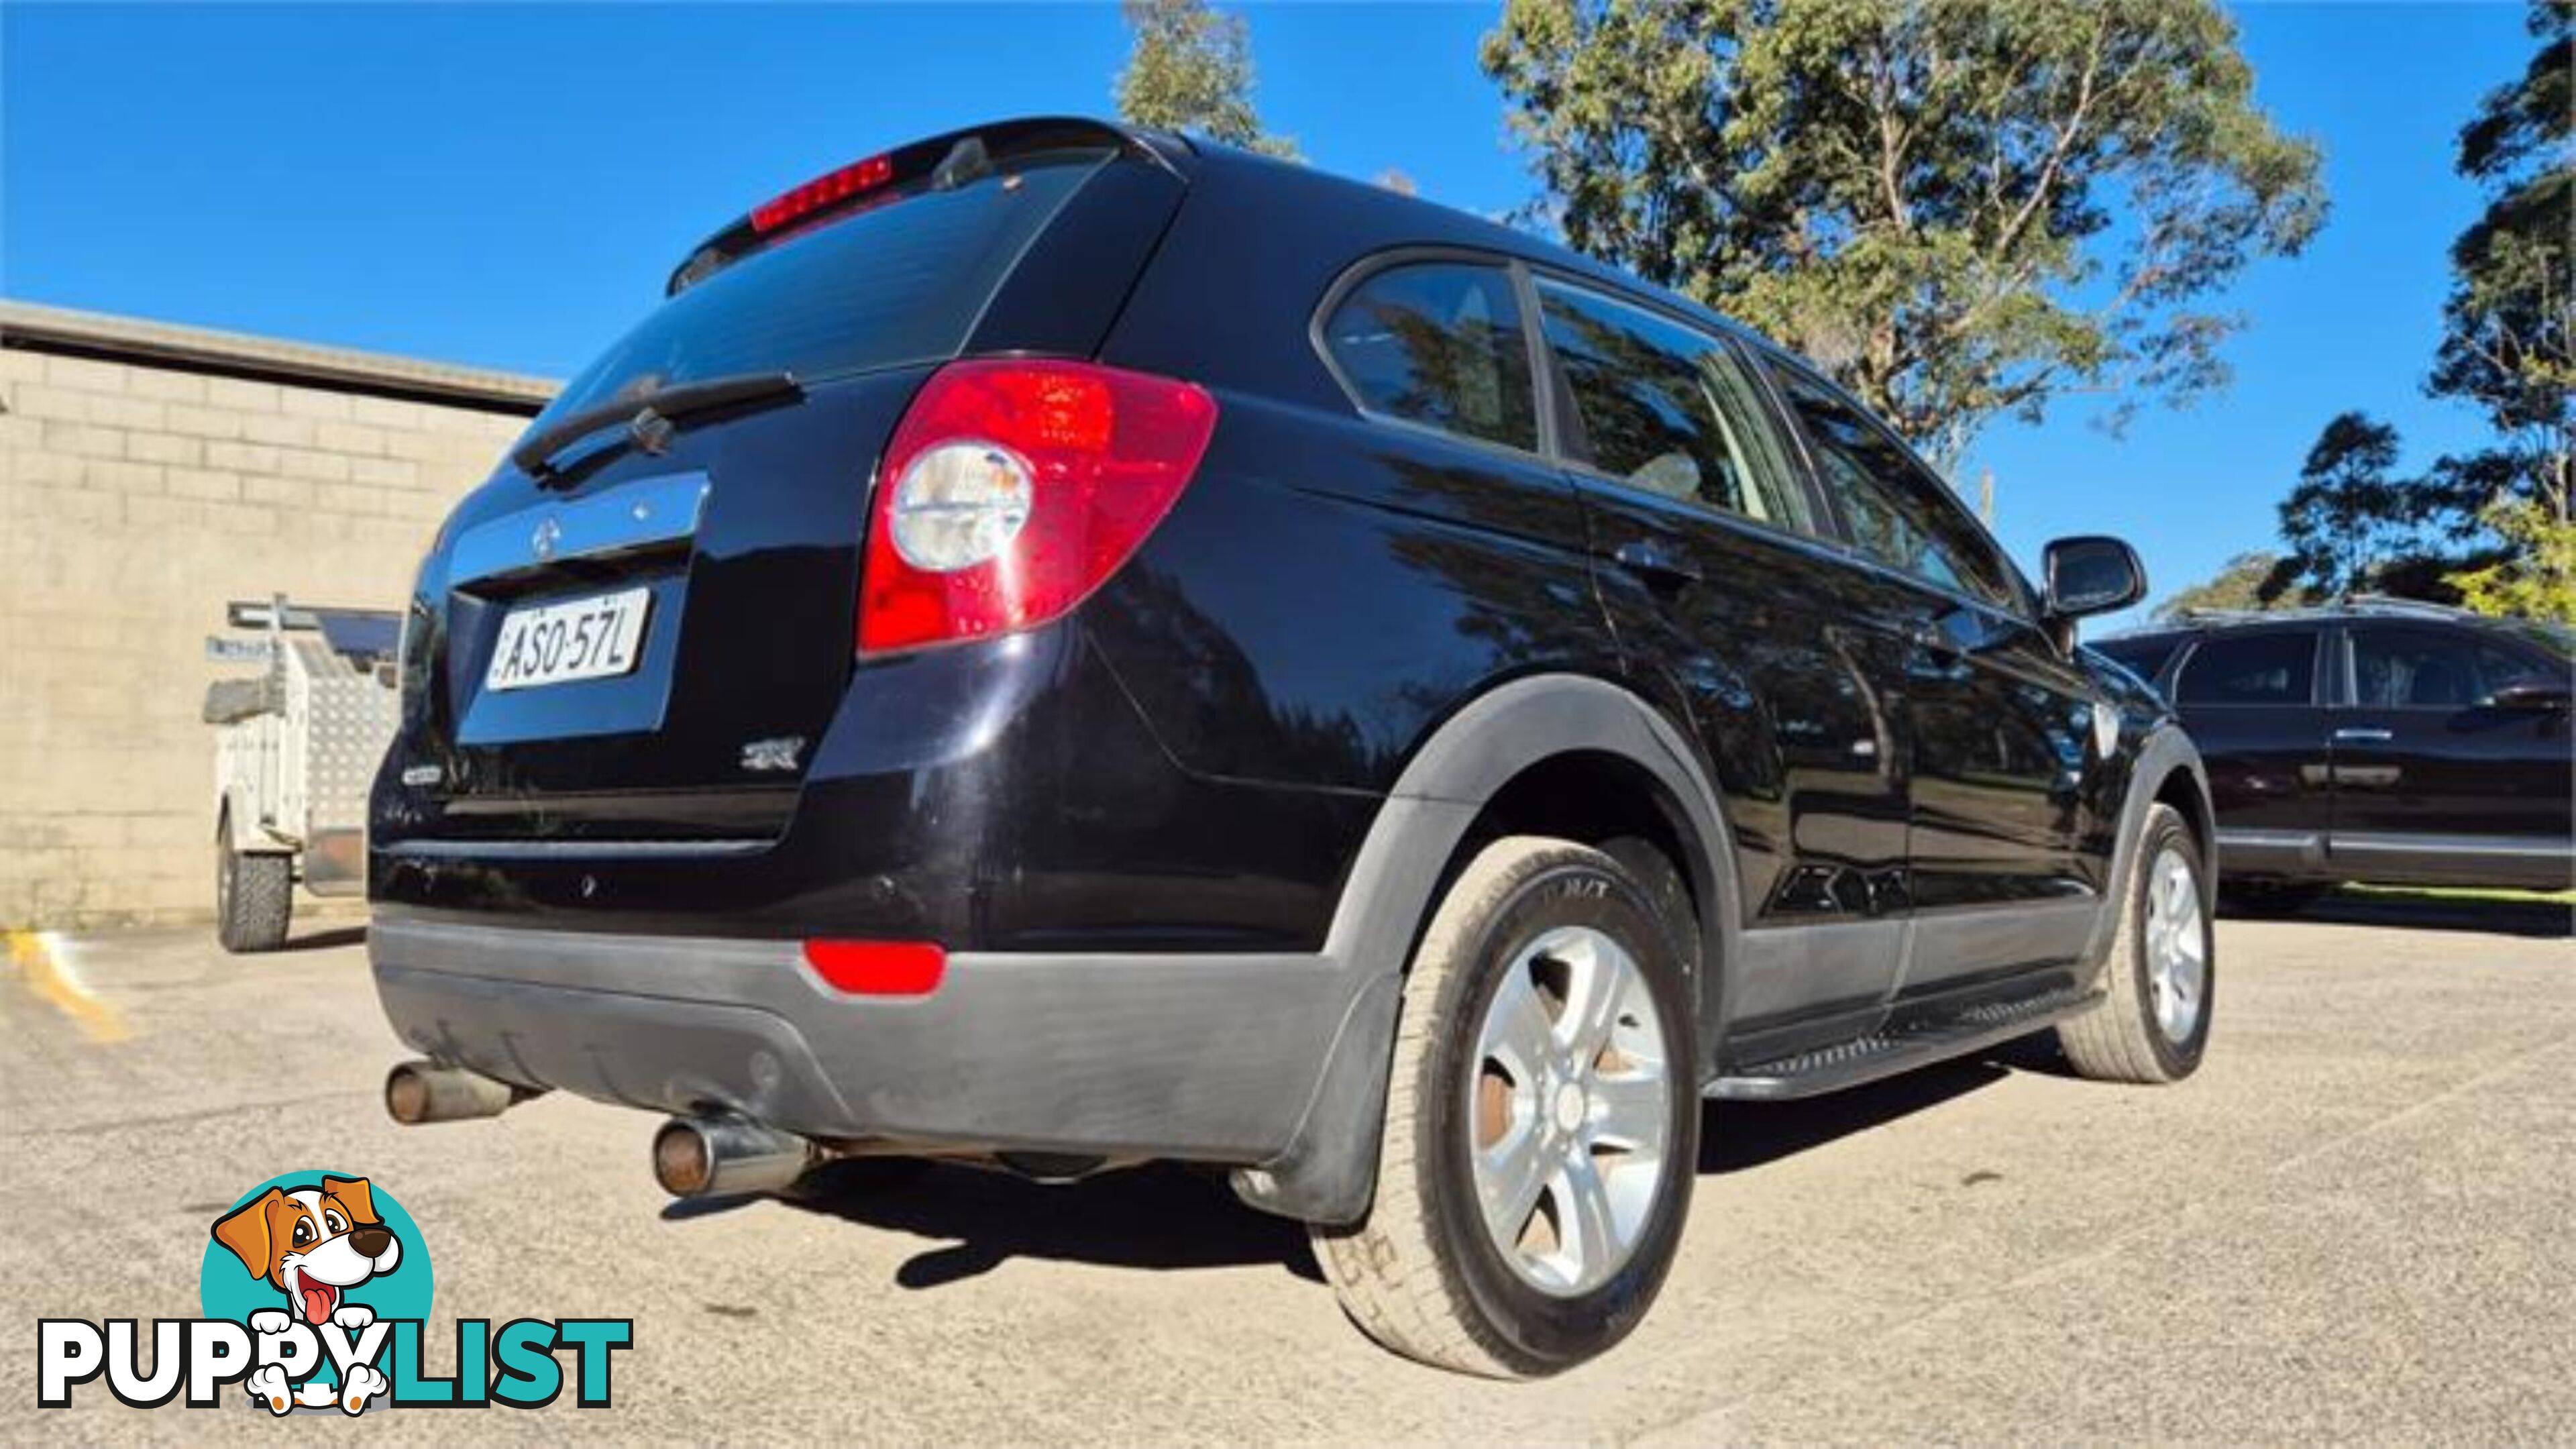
{"type": "Point", "coordinates": [2536, 695]}
{"type": "Point", "coordinates": [2092, 575]}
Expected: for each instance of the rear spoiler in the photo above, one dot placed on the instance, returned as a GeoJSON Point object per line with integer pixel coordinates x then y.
{"type": "Point", "coordinates": [959, 154]}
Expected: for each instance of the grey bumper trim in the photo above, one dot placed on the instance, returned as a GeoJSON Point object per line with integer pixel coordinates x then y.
{"type": "Point", "coordinates": [1211, 1057]}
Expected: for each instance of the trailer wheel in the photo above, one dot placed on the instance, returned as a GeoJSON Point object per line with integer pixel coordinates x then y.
{"type": "Point", "coordinates": [254, 895]}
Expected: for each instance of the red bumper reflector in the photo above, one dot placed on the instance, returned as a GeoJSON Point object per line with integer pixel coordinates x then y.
{"type": "Point", "coordinates": [879, 968]}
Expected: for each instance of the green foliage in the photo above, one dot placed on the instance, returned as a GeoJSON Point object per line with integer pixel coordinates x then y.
{"type": "Point", "coordinates": [2537, 578]}
{"type": "Point", "coordinates": [2349, 514]}
{"type": "Point", "coordinates": [2238, 585]}
{"type": "Point", "coordinates": [1191, 70]}
{"type": "Point", "coordinates": [1962, 207]}
{"type": "Point", "coordinates": [2509, 325]}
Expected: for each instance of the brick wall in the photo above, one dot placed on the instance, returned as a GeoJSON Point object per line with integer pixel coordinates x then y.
{"type": "Point", "coordinates": [137, 496]}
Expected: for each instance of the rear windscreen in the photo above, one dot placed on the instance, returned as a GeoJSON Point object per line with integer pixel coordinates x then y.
{"type": "Point", "coordinates": [900, 280]}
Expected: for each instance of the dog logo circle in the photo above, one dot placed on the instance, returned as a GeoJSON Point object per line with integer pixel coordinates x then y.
{"type": "Point", "coordinates": [310, 1250]}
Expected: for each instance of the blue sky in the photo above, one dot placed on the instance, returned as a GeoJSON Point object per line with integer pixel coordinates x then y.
{"type": "Point", "coordinates": [509, 186]}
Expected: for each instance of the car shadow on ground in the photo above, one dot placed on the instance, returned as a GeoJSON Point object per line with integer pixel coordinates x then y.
{"type": "Point", "coordinates": [1168, 1217]}
{"type": "Point", "coordinates": [2534, 916]}
{"type": "Point", "coordinates": [1736, 1136]}
{"type": "Point", "coordinates": [329, 938]}
{"type": "Point", "coordinates": [1159, 1216]}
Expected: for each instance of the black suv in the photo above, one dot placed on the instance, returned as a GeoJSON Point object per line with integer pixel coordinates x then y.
{"type": "Point", "coordinates": [1056, 646]}
{"type": "Point", "coordinates": [2377, 741]}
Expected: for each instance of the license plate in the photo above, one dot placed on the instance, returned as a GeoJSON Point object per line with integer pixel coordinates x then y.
{"type": "Point", "coordinates": [593, 638]}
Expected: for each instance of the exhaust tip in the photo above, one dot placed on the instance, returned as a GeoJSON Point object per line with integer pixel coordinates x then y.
{"type": "Point", "coordinates": [717, 1156]}
{"type": "Point", "coordinates": [681, 1161]}
{"type": "Point", "coordinates": [421, 1091]}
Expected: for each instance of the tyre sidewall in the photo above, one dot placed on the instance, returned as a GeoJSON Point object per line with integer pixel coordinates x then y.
{"type": "Point", "coordinates": [2166, 831]}
{"type": "Point", "coordinates": [1536, 1332]}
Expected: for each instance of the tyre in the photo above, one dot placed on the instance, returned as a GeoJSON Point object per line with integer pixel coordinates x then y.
{"type": "Point", "coordinates": [2152, 1023]}
{"type": "Point", "coordinates": [1542, 1122]}
{"type": "Point", "coordinates": [254, 896]}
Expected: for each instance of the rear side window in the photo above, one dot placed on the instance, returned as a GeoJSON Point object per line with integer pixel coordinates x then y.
{"type": "Point", "coordinates": [1440, 344]}
{"type": "Point", "coordinates": [1899, 514]}
{"type": "Point", "coordinates": [1667, 408]}
{"type": "Point", "coordinates": [2251, 669]}
{"type": "Point", "coordinates": [2145, 658]}
{"type": "Point", "coordinates": [901, 280]}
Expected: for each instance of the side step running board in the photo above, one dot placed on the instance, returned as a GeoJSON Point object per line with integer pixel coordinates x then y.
{"type": "Point", "coordinates": [1897, 1049]}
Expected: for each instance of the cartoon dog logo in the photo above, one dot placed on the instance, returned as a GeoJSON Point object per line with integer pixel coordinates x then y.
{"type": "Point", "coordinates": [313, 1244]}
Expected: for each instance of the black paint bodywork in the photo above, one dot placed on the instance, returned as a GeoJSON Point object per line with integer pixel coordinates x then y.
{"type": "Point", "coordinates": [2330, 789]}
{"type": "Point", "coordinates": [1191, 760]}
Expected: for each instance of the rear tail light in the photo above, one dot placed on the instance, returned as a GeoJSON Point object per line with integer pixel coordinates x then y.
{"type": "Point", "coordinates": [1013, 488]}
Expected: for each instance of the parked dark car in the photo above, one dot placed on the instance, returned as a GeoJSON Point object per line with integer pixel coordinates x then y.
{"type": "Point", "coordinates": [2378, 741]}
{"type": "Point", "coordinates": [1057, 646]}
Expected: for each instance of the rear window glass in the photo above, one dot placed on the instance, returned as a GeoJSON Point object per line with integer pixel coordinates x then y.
{"type": "Point", "coordinates": [2251, 669]}
{"type": "Point", "coordinates": [900, 281]}
{"type": "Point", "coordinates": [1439, 343]}
{"type": "Point", "coordinates": [1665, 409]}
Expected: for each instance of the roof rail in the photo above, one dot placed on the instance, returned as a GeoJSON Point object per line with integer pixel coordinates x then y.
{"type": "Point", "coordinates": [2387, 604]}
{"type": "Point", "coordinates": [2347, 604]}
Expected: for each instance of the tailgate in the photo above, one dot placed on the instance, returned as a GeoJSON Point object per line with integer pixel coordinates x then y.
{"type": "Point", "coordinates": [713, 590]}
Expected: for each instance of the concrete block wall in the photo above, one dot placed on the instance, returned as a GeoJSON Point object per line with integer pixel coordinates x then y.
{"type": "Point", "coordinates": [136, 498]}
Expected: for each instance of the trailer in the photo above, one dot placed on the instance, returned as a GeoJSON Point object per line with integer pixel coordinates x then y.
{"type": "Point", "coordinates": [296, 751]}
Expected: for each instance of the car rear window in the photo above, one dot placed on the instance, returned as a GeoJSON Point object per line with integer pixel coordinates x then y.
{"type": "Point", "coordinates": [1666, 409]}
{"type": "Point", "coordinates": [2251, 669]}
{"type": "Point", "coordinates": [900, 280]}
{"type": "Point", "coordinates": [1440, 344]}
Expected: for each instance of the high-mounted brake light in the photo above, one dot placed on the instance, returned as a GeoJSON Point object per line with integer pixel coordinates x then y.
{"type": "Point", "coordinates": [823, 191]}
{"type": "Point", "coordinates": [878, 968]}
{"type": "Point", "coordinates": [1013, 488]}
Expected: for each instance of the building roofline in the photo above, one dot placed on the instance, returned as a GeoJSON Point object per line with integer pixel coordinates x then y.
{"type": "Point", "coordinates": [101, 335]}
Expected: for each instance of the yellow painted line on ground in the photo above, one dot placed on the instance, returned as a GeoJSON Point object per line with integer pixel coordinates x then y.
{"type": "Point", "coordinates": [43, 959]}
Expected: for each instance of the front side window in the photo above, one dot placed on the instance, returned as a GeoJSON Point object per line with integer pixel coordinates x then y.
{"type": "Point", "coordinates": [2271, 668]}
{"type": "Point", "coordinates": [1440, 344]}
{"type": "Point", "coordinates": [2399, 668]}
{"type": "Point", "coordinates": [1899, 514]}
{"type": "Point", "coordinates": [1668, 409]}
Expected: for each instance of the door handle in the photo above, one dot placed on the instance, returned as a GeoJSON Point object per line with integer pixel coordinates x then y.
{"type": "Point", "coordinates": [1656, 563]}
{"type": "Point", "coordinates": [2362, 735]}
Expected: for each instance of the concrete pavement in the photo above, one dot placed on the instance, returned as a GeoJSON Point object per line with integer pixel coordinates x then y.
{"type": "Point", "coordinates": [2354, 1224]}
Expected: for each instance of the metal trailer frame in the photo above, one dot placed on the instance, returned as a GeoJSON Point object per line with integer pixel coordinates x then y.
{"type": "Point", "coordinates": [297, 745]}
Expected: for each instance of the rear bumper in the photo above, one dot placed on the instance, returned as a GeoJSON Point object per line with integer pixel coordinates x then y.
{"type": "Point", "coordinates": [1212, 1057]}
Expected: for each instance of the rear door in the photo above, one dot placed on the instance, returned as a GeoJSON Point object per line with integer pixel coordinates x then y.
{"type": "Point", "coordinates": [1714, 576]}
{"type": "Point", "coordinates": [646, 636]}
{"type": "Point", "coordinates": [2252, 701]}
{"type": "Point", "coordinates": [2434, 780]}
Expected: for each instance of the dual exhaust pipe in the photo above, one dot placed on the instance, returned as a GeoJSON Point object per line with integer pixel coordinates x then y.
{"type": "Point", "coordinates": [713, 1155]}
{"type": "Point", "coordinates": [727, 1156]}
